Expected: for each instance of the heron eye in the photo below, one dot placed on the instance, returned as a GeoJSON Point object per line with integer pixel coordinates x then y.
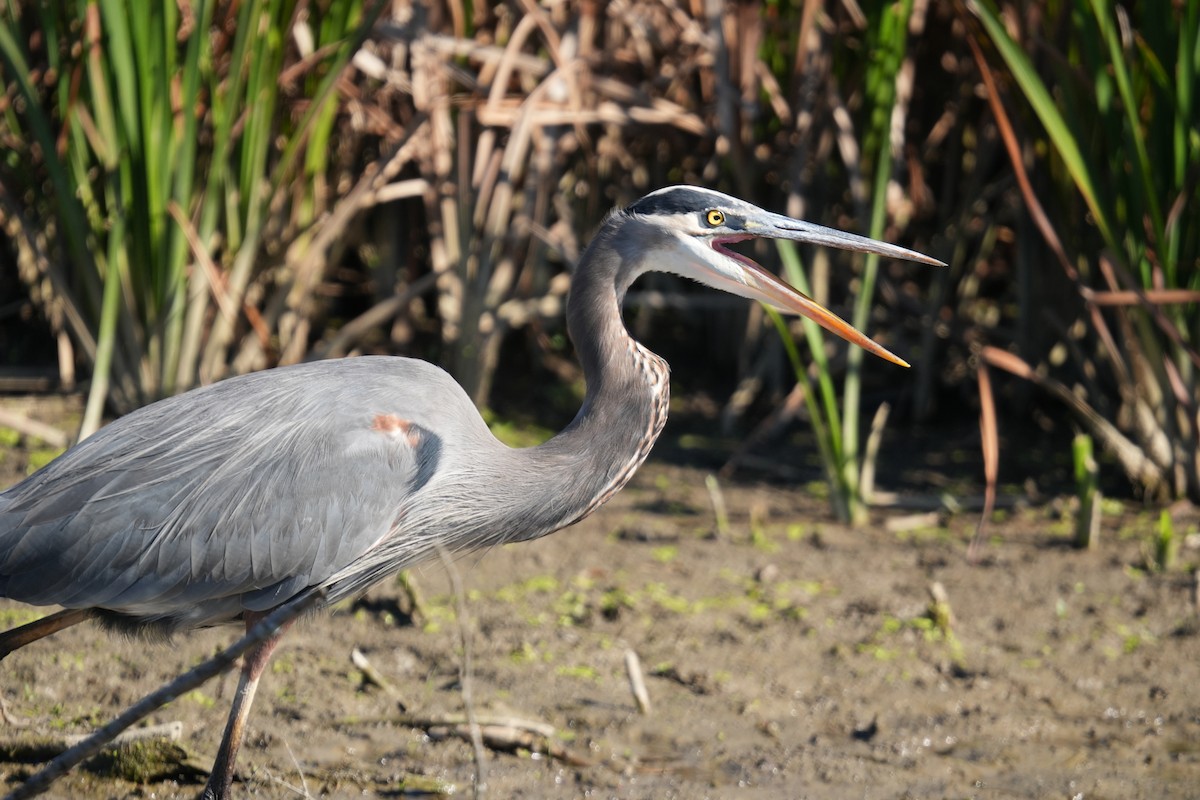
{"type": "Point", "coordinates": [715, 218]}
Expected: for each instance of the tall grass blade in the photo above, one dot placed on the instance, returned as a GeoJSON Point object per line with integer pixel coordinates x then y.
{"type": "Point", "coordinates": [1038, 95]}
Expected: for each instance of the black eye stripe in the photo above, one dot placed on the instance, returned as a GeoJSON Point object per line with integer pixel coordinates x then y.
{"type": "Point", "coordinates": [675, 200]}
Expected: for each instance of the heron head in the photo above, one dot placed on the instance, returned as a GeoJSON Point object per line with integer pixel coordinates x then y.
{"type": "Point", "coordinates": [686, 230]}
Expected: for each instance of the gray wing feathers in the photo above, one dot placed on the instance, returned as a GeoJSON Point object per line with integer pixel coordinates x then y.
{"type": "Point", "coordinates": [233, 497]}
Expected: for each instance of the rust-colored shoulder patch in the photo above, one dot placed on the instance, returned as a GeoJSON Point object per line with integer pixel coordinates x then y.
{"type": "Point", "coordinates": [393, 425]}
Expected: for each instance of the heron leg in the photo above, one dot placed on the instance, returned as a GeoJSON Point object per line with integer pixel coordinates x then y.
{"type": "Point", "coordinates": [20, 636]}
{"type": "Point", "coordinates": [220, 781]}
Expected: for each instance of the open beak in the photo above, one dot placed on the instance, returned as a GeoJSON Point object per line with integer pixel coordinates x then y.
{"type": "Point", "coordinates": [761, 285]}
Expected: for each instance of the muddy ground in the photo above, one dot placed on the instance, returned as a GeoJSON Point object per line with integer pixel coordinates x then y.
{"type": "Point", "coordinates": [785, 657]}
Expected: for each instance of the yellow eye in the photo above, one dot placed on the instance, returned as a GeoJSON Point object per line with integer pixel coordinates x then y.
{"type": "Point", "coordinates": [715, 218]}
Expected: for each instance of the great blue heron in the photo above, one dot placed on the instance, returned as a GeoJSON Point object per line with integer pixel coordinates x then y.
{"type": "Point", "coordinates": [223, 503]}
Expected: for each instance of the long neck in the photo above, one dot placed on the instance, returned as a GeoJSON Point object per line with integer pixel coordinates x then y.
{"type": "Point", "coordinates": [625, 407]}
{"type": "Point", "coordinates": [496, 494]}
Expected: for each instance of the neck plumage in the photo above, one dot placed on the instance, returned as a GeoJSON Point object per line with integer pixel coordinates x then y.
{"type": "Point", "coordinates": [625, 406]}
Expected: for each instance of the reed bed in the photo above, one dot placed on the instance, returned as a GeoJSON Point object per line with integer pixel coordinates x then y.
{"type": "Point", "coordinates": [245, 183]}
